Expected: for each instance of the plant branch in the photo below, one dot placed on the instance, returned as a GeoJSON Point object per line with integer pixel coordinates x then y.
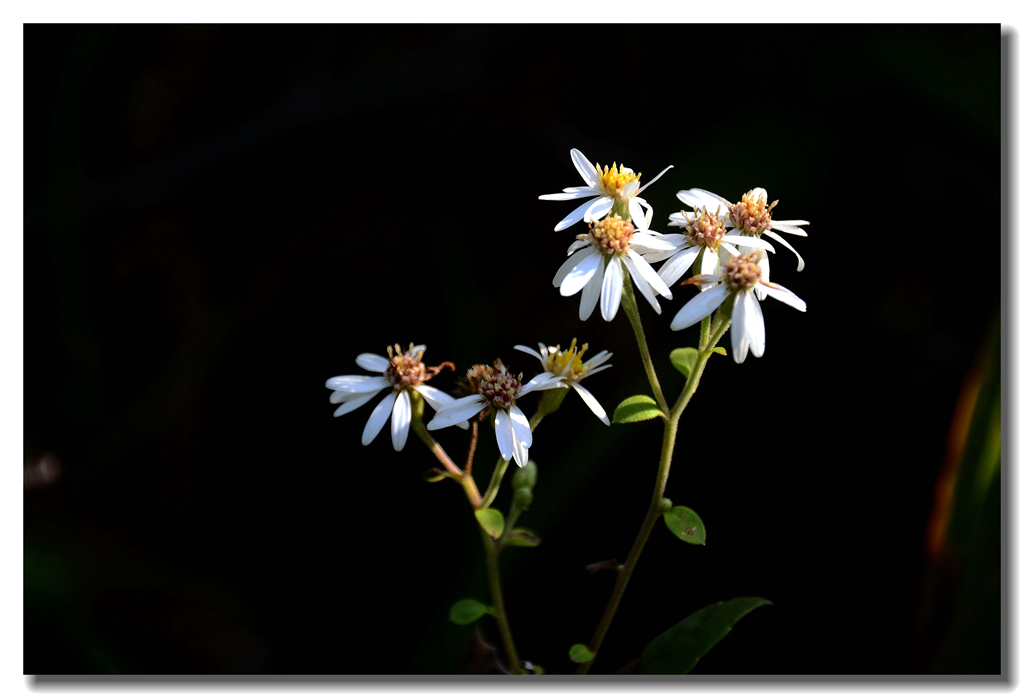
{"type": "Point", "coordinates": [633, 313]}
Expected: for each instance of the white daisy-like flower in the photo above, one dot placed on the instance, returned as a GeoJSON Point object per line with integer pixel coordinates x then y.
{"type": "Point", "coordinates": [738, 277]}
{"type": "Point", "coordinates": [402, 372]}
{"type": "Point", "coordinates": [570, 366]}
{"type": "Point", "coordinates": [610, 185]}
{"type": "Point", "coordinates": [751, 216]}
{"type": "Point", "coordinates": [596, 262]}
{"type": "Point", "coordinates": [499, 390]}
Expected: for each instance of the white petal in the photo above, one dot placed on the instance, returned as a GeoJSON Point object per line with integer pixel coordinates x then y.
{"type": "Point", "coordinates": [728, 248]}
{"type": "Point", "coordinates": [597, 359]}
{"type": "Point", "coordinates": [503, 432]}
{"type": "Point", "coordinates": [792, 224]}
{"type": "Point", "coordinates": [543, 349]}
{"type": "Point", "coordinates": [574, 217]}
{"type": "Point", "coordinates": [759, 193]}
{"type": "Point", "coordinates": [656, 178]}
{"type": "Point", "coordinates": [699, 307]}
{"type": "Point", "coordinates": [782, 241]}
{"type": "Point", "coordinates": [539, 382]}
{"type": "Point", "coordinates": [786, 296]}
{"type": "Point", "coordinates": [641, 285]}
{"type": "Point", "coordinates": [520, 451]}
{"type": "Point", "coordinates": [755, 325]}
{"type": "Point", "coordinates": [577, 193]}
{"type": "Point", "coordinates": [611, 289]}
{"type": "Point", "coordinates": [357, 384]}
{"type": "Point", "coordinates": [592, 403]}
{"type": "Point", "coordinates": [741, 315]}
{"type": "Point", "coordinates": [339, 396]}
{"type": "Point", "coordinates": [709, 264]}
{"type": "Point", "coordinates": [401, 417]}
{"type": "Point", "coordinates": [456, 411]}
{"type": "Point", "coordinates": [650, 242]}
{"type": "Point", "coordinates": [749, 241]}
{"type": "Point", "coordinates": [599, 209]}
{"type": "Point", "coordinates": [578, 245]}
{"type": "Point", "coordinates": [360, 400]}
{"type": "Point", "coordinates": [378, 417]}
{"type": "Point", "coordinates": [565, 268]}
{"type": "Point", "coordinates": [521, 426]}
{"type": "Point", "coordinates": [530, 351]}
{"type": "Point", "coordinates": [434, 397]}
{"type": "Point", "coordinates": [627, 191]}
{"type": "Point", "coordinates": [418, 349]}
{"type": "Point", "coordinates": [598, 369]}
{"type": "Point", "coordinates": [591, 293]}
{"type": "Point", "coordinates": [636, 212]}
{"type": "Point", "coordinates": [586, 267]}
{"type": "Point", "coordinates": [650, 276]}
{"type": "Point", "coordinates": [584, 167]}
{"type": "Point", "coordinates": [791, 229]}
{"type": "Point", "coordinates": [372, 362]}
{"type": "Point", "coordinates": [672, 271]}
{"type": "Point", "coordinates": [759, 290]}
{"type": "Point", "coordinates": [659, 256]}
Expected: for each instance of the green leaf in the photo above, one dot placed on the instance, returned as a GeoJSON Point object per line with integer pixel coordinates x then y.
{"type": "Point", "coordinates": [677, 650]}
{"type": "Point", "coordinates": [491, 520]}
{"type": "Point", "coordinates": [683, 359]}
{"type": "Point", "coordinates": [719, 350]}
{"type": "Point", "coordinates": [580, 654]}
{"type": "Point", "coordinates": [685, 523]}
{"type": "Point", "coordinates": [466, 611]}
{"type": "Point", "coordinates": [522, 538]}
{"type": "Point", "coordinates": [636, 409]}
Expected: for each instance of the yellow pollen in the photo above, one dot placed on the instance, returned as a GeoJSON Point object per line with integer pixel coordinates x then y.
{"type": "Point", "coordinates": [558, 360]}
{"type": "Point", "coordinates": [614, 178]}
{"type": "Point", "coordinates": [612, 235]}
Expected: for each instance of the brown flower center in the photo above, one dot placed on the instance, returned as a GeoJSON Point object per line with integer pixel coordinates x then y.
{"type": "Point", "coordinates": [612, 234]}
{"type": "Point", "coordinates": [742, 272]}
{"type": "Point", "coordinates": [706, 231]}
{"type": "Point", "coordinates": [752, 215]}
{"type": "Point", "coordinates": [499, 387]}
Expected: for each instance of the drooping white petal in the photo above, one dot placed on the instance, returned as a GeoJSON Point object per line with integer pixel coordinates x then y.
{"type": "Point", "coordinates": [636, 213]}
{"type": "Point", "coordinates": [586, 168]}
{"type": "Point", "coordinates": [531, 352]}
{"type": "Point", "coordinates": [521, 426]}
{"type": "Point", "coordinates": [520, 451]}
{"type": "Point", "coordinates": [372, 362]}
{"type": "Point", "coordinates": [503, 432]}
{"type": "Point", "coordinates": [645, 288]}
{"type": "Point", "coordinates": [749, 241]}
{"type": "Point", "coordinates": [357, 384]}
{"type": "Point", "coordinates": [339, 396]}
{"type": "Point", "coordinates": [578, 245]}
{"type": "Point", "coordinates": [766, 268]}
{"type": "Point", "coordinates": [592, 403]}
{"type": "Point", "coordinates": [574, 217]}
{"type": "Point", "coordinates": [586, 266]}
{"type": "Point", "coordinates": [599, 209]}
{"type": "Point", "coordinates": [650, 276]}
{"type": "Point", "coordinates": [611, 289]}
{"type": "Point", "coordinates": [699, 307]}
{"type": "Point", "coordinates": [577, 193]}
{"type": "Point", "coordinates": [741, 315]}
{"type": "Point", "coordinates": [656, 178]}
{"type": "Point", "coordinates": [755, 325]}
{"type": "Point", "coordinates": [709, 264]}
{"type": "Point", "coordinates": [401, 418]}
{"type": "Point", "coordinates": [437, 399]}
{"type": "Point", "coordinates": [358, 401]}
{"type": "Point", "coordinates": [674, 269]}
{"type": "Point", "coordinates": [378, 417]}
{"type": "Point", "coordinates": [782, 241]}
{"type": "Point", "coordinates": [456, 411]}
{"type": "Point", "coordinates": [791, 229]}
{"type": "Point", "coordinates": [780, 293]}
{"type": "Point", "coordinates": [542, 381]}
{"type": "Point", "coordinates": [566, 267]}
{"type": "Point", "coordinates": [651, 242]}
{"type": "Point", "coordinates": [591, 294]}
{"type": "Point", "coordinates": [649, 216]}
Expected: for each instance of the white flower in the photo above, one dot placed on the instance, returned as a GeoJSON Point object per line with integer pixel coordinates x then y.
{"type": "Point", "coordinates": [739, 276]}
{"type": "Point", "coordinates": [596, 262]}
{"type": "Point", "coordinates": [499, 389]}
{"type": "Point", "coordinates": [752, 216]}
{"type": "Point", "coordinates": [570, 366]}
{"type": "Point", "coordinates": [608, 185]}
{"type": "Point", "coordinates": [401, 372]}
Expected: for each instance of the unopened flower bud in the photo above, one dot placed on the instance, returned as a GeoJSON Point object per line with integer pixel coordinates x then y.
{"type": "Point", "coordinates": [525, 476]}
{"type": "Point", "coordinates": [523, 498]}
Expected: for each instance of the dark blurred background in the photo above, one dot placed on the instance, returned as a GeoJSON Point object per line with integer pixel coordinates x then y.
{"type": "Point", "coordinates": [218, 219]}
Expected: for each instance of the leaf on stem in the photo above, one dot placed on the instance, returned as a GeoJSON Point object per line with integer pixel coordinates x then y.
{"type": "Point", "coordinates": [580, 654]}
{"type": "Point", "coordinates": [685, 524]}
{"type": "Point", "coordinates": [522, 538]}
{"type": "Point", "coordinates": [683, 359]}
{"type": "Point", "coordinates": [719, 350]}
{"type": "Point", "coordinates": [491, 520]}
{"type": "Point", "coordinates": [677, 650]}
{"type": "Point", "coordinates": [638, 408]}
{"type": "Point", "coordinates": [468, 610]}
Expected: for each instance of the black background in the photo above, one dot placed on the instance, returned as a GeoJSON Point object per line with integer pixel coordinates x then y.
{"type": "Point", "coordinates": [218, 219]}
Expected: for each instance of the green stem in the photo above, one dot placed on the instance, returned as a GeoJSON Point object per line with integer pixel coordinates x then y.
{"type": "Point", "coordinates": [716, 330]}
{"type": "Point", "coordinates": [493, 574]}
{"type": "Point", "coordinates": [629, 305]}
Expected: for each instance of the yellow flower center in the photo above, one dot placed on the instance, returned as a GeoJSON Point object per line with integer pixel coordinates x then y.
{"type": "Point", "coordinates": [557, 361]}
{"type": "Point", "coordinates": [612, 235]}
{"type": "Point", "coordinates": [613, 179]}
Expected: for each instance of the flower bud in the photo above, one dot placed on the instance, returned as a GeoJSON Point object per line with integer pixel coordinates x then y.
{"type": "Point", "coordinates": [525, 477]}
{"type": "Point", "coordinates": [666, 504]}
{"type": "Point", "coordinates": [523, 498]}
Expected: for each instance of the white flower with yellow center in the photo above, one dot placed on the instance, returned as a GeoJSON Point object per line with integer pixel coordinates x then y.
{"type": "Point", "coordinates": [570, 366]}
{"type": "Point", "coordinates": [610, 185]}
{"type": "Point", "coordinates": [402, 372]}
{"type": "Point", "coordinates": [499, 390]}
{"type": "Point", "coordinates": [596, 261]}
{"type": "Point", "coordinates": [737, 278]}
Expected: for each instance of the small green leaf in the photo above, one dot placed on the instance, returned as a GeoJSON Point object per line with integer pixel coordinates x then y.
{"type": "Point", "coordinates": [580, 654]}
{"type": "Point", "coordinates": [466, 611]}
{"type": "Point", "coordinates": [719, 350]}
{"type": "Point", "coordinates": [522, 538]}
{"type": "Point", "coordinates": [677, 650]}
{"type": "Point", "coordinates": [685, 523]}
{"type": "Point", "coordinates": [491, 520]}
{"type": "Point", "coordinates": [683, 359]}
{"type": "Point", "coordinates": [637, 409]}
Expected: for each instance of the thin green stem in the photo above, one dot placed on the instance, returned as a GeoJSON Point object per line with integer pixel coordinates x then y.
{"type": "Point", "coordinates": [633, 313]}
{"type": "Point", "coordinates": [493, 574]}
